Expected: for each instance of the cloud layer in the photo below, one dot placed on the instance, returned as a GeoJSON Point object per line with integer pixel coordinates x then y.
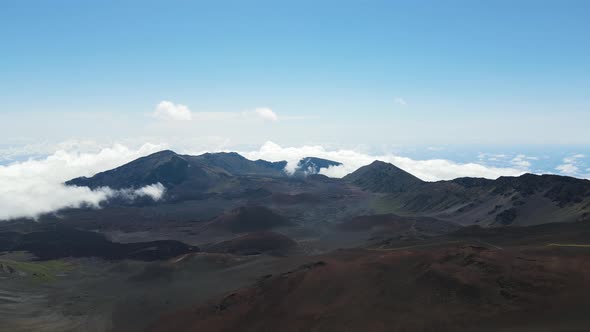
{"type": "Point", "coordinates": [428, 170]}
{"type": "Point", "coordinates": [34, 187]}
{"type": "Point", "coordinates": [571, 165]}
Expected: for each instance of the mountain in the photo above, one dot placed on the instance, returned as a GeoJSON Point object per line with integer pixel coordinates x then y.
{"type": "Point", "coordinates": [277, 165]}
{"type": "Point", "coordinates": [171, 169]}
{"type": "Point", "coordinates": [523, 200]}
{"type": "Point", "coordinates": [312, 165]}
{"type": "Point", "coordinates": [201, 172]}
{"type": "Point", "coordinates": [165, 167]}
{"type": "Point", "coordinates": [383, 177]}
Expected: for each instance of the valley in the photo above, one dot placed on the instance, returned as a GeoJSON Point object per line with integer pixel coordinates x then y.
{"type": "Point", "coordinates": [236, 244]}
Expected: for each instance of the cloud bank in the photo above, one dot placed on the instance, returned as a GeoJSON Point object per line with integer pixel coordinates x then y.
{"type": "Point", "coordinates": [35, 187]}
{"type": "Point", "coordinates": [570, 165]}
{"type": "Point", "coordinates": [428, 170]}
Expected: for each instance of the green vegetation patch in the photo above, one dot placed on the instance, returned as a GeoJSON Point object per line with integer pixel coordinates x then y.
{"type": "Point", "coordinates": [385, 204]}
{"type": "Point", "coordinates": [44, 271]}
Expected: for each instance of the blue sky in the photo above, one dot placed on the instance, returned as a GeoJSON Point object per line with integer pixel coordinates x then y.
{"type": "Point", "coordinates": [471, 76]}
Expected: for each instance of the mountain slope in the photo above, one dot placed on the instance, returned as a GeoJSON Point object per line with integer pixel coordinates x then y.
{"type": "Point", "coordinates": [383, 177]}
{"type": "Point", "coordinates": [165, 167]}
{"type": "Point", "coordinates": [172, 169]}
{"type": "Point", "coordinates": [524, 200]}
{"type": "Point", "coordinates": [451, 288]}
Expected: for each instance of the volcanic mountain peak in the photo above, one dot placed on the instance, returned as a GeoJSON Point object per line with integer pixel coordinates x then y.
{"type": "Point", "coordinates": [380, 176]}
{"type": "Point", "coordinates": [165, 167]}
{"type": "Point", "coordinates": [172, 169]}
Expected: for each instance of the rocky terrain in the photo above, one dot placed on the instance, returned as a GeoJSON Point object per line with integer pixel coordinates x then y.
{"type": "Point", "coordinates": [241, 245]}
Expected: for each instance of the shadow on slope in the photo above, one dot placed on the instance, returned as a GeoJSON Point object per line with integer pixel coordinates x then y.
{"type": "Point", "coordinates": [59, 242]}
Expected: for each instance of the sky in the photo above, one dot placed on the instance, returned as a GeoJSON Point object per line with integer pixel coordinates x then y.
{"type": "Point", "coordinates": [487, 88]}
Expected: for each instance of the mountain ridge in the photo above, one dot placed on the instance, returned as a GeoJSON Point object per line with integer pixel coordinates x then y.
{"type": "Point", "coordinates": [171, 169]}
{"type": "Point", "coordinates": [505, 201]}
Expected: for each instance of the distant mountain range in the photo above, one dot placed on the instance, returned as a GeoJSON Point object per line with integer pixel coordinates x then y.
{"type": "Point", "coordinates": [523, 200]}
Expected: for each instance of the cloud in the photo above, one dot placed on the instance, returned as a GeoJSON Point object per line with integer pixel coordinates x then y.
{"type": "Point", "coordinates": [573, 158]}
{"type": "Point", "coordinates": [571, 165]}
{"type": "Point", "coordinates": [400, 101]}
{"type": "Point", "coordinates": [167, 110]}
{"type": "Point", "coordinates": [155, 191]}
{"type": "Point", "coordinates": [482, 157]}
{"type": "Point", "coordinates": [267, 114]}
{"type": "Point", "coordinates": [429, 170]}
{"type": "Point", "coordinates": [522, 161]}
{"type": "Point", "coordinates": [568, 169]}
{"type": "Point", "coordinates": [34, 187]}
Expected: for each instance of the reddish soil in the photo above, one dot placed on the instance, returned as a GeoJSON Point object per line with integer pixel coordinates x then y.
{"type": "Point", "coordinates": [452, 288]}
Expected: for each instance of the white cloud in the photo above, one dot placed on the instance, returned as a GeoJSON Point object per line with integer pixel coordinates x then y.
{"type": "Point", "coordinates": [400, 101]}
{"type": "Point", "coordinates": [267, 114]}
{"type": "Point", "coordinates": [521, 161]}
{"type": "Point", "coordinates": [34, 187]}
{"type": "Point", "coordinates": [155, 191]}
{"type": "Point", "coordinates": [573, 158]}
{"type": "Point", "coordinates": [568, 169]}
{"type": "Point", "coordinates": [167, 110]}
{"type": "Point", "coordinates": [491, 156]}
{"type": "Point", "coordinates": [429, 170]}
{"type": "Point", "coordinates": [571, 165]}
